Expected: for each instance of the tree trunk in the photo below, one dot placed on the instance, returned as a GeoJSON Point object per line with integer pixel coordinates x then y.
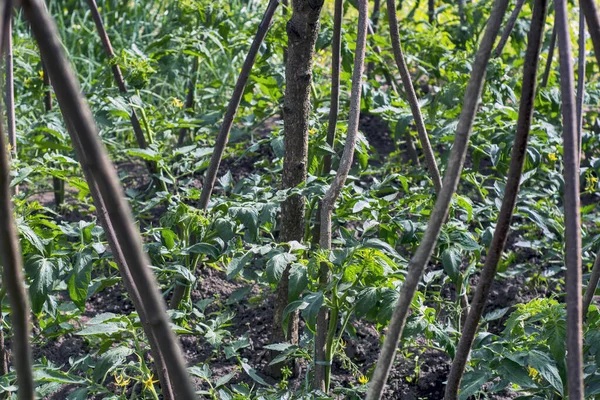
{"type": "Point", "coordinates": [509, 200]}
{"type": "Point", "coordinates": [302, 30]}
{"type": "Point", "coordinates": [571, 206]}
{"type": "Point", "coordinates": [442, 204]}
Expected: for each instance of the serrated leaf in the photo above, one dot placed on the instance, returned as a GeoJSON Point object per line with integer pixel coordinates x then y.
{"type": "Point", "coordinates": [81, 277]}
{"type": "Point", "coordinates": [41, 273]}
{"type": "Point", "coordinates": [107, 328]}
{"type": "Point", "coordinates": [236, 265]}
{"type": "Point", "coordinates": [298, 281]}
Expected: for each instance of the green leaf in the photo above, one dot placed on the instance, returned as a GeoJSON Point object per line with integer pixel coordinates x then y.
{"type": "Point", "coordinates": [41, 273]}
{"type": "Point", "coordinates": [253, 374]}
{"type": "Point", "coordinates": [314, 302]}
{"type": "Point", "coordinates": [146, 154]}
{"type": "Point", "coordinates": [81, 277]}
{"type": "Point", "coordinates": [109, 361]}
{"type": "Point", "coordinates": [31, 237]}
{"type": "Point", "coordinates": [464, 240]}
{"type": "Point", "coordinates": [547, 368]}
{"type": "Point", "coordinates": [107, 328]}
{"type": "Point", "coordinates": [50, 375]}
{"type": "Point", "coordinates": [515, 373]}
{"type": "Point", "coordinates": [204, 248]}
{"type": "Point", "coordinates": [298, 281]}
{"type": "Point", "coordinates": [366, 301]}
{"type": "Point", "coordinates": [237, 264]}
{"type": "Point", "coordinates": [472, 383]}
{"type": "Point", "coordinates": [451, 261]}
{"type": "Point", "coordinates": [277, 264]}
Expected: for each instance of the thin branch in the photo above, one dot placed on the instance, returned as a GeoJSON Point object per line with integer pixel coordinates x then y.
{"type": "Point", "coordinates": [509, 200]}
{"type": "Point", "coordinates": [95, 160]}
{"type": "Point", "coordinates": [592, 285]}
{"type": "Point", "coordinates": [322, 356]}
{"type": "Point", "coordinates": [590, 11]}
{"type": "Point", "coordinates": [580, 82]}
{"type": "Point", "coordinates": [234, 103]}
{"type": "Point", "coordinates": [412, 97]}
{"type": "Point", "coordinates": [10, 91]}
{"type": "Point", "coordinates": [442, 205]}
{"type": "Point", "coordinates": [118, 76]}
{"type": "Point", "coordinates": [336, 59]}
{"type": "Point", "coordinates": [549, 58]}
{"type": "Point", "coordinates": [510, 25]}
{"type": "Point", "coordinates": [128, 281]}
{"type": "Point", "coordinates": [12, 261]}
{"type": "Point", "coordinates": [571, 206]}
{"type": "Point", "coordinates": [189, 99]}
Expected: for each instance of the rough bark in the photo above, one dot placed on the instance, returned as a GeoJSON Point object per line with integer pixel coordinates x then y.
{"type": "Point", "coordinates": [509, 200]}
{"type": "Point", "coordinates": [302, 30]}
{"type": "Point", "coordinates": [12, 261]}
{"type": "Point", "coordinates": [412, 97]}
{"type": "Point", "coordinates": [322, 355]}
{"type": "Point", "coordinates": [510, 25]}
{"type": "Point", "coordinates": [336, 60]}
{"type": "Point", "coordinates": [590, 11]}
{"type": "Point", "coordinates": [550, 57]}
{"type": "Point", "coordinates": [571, 206]}
{"type": "Point", "coordinates": [118, 76]}
{"type": "Point", "coordinates": [189, 99]}
{"type": "Point", "coordinates": [442, 205]}
{"type": "Point", "coordinates": [234, 103]}
{"type": "Point", "coordinates": [95, 161]}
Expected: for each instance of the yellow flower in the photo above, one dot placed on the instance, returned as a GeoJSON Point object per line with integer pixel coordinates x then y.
{"type": "Point", "coordinates": [363, 379]}
{"type": "Point", "coordinates": [591, 183]}
{"type": "Point", "coordinates": [121, 381]}
{"type": "Point", "coordinates": [552, 157]}
{"type": "Point", "coordinates": [177, 103]}
{"type": "Point", "coordinates": [41, 73]}
{"type": "Point", "coordinates": [533, 373]}
{"type": "Point", "coordinates": [312, 131]}
{"type": "Point", "coordinates": [149, 383]}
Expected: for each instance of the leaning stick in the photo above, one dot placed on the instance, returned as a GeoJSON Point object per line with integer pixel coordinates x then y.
{"type": "Point", "coordinates": [510, 25]}
{"type": "Point", "coordinates": [571, 206]}
{"type": "Point", "coordinates": [234, 103]}
{"type": "Point", "coordinates": [442, 205]}
{"type": "Point", "coordinates": [12, 261]}
{"type": "Point", "coordinates": [95, 160]}
{"type": "Point", "coordinates": [412, 98]}
{"type": "Point", "coordinates": [509, 201]}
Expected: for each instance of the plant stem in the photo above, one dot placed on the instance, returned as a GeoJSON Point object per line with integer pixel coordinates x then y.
{"type": "Point", "coordinates": [442, 205]}
{"type": "Point", "coordinates": [509, 200]}
{"type": "Point", "coordinates": [328, 202]}
{"type": "Point", "coordinates": [571, 206]}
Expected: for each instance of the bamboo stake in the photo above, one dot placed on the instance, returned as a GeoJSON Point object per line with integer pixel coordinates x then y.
{"type": "Point", "coordinates": [95, 160]}
{"type": "Point", "coordinates": [510, 25]}
{"type": "Point", "coordinates": [234, 103]}
{"type": "Point", "coordinates": [440, 211]}
{"type": "Point", "coordinates": [12, 261]}
{"type": "Point", "coordinates": [323, 348]}
{"type": "Point", "coordinates": [412, 98]}
{"type": "Point", "coordinates": [509, 200]}
{"type": "Point", "coordinates": [571, 207]}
